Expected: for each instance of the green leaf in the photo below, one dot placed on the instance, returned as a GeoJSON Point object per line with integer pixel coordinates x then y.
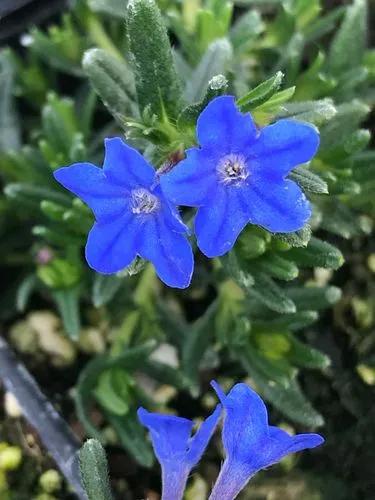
{"type": "Point", "coordinates": [294, 321]}
{"type": "Point", "coordinates": [277, 267]}
{"type": "Point", "coordinates": [165, 374]}
{"type": "Point", "coordinates": [288, 399]}
{"type": "Point", "coordinates": [67, 301]}
{"type": "Point", "coordinates": [261, 93]}
{"type": "Point", "coordinates": [271, 295]}
{"type": "Point", "coordinates": [10, 133]}
{"type": "Point", "coordinates": [132, 437]}
{"type": "Point", "coordinates": [216, 87]}
{"type": "Point", "coordinates": [306, 356]}
{"type": "Point", "coordinates": [214, 62]}
{"type": "Point", "coordinates": [246, 29]}
{"type": "Point", "coordinates": [94, 471]}
{"type": "Point", "coordinates": [308, 181]}
{"type": "Point", "coordinates": [231, 266]}
{"type": "Point", "coordinates": [157, 84]}
{"type": "Point", "coordinates": [112, 391]}
{"type": "Point", "coordinates": [60, 48]}
{"type": "Point", "coordinates": [323, 25]}
{"type": "Point", "coordinates": [349, 43]}
{"type": "Point", "coordinates": [89, 375]}
{"type": "Point", "coordinates": [339, 219]}
{"type": "Point", "coordinates": [279, 372]}
{"type": "Point", "coordinates": [27, 194]}
{"type": "Point", "coordinates": [24, 291]}
{"type": "Point", "coordinates": [317, 112]}
{"type": "Point", "coordinates": [345, 122]}
{"type": "Point", "coordinates": [114, 8]}
{"type": "Point", "coordinates": [196, 343]}
{"type": "Point", "coordinates": [213, 23]}
{"type": "Point", "coordinates": [316, 297]}
{"type": "Point", "coordinates": [318, 253]}
{"type": "Point", "coordinates": [112, 80]}
{"type": "Point", "coordinates": [105, 288]}
{"type": "Point", "coordinates": [297, 239]}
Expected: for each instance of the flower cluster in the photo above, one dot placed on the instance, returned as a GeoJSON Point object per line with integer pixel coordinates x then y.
{"type": "Point", "coordinates": [236, 176]}
{"type": "Point", "coordinates": [250, 443]}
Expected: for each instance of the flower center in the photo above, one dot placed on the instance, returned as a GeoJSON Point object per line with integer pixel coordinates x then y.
{"type": "Point", "coordinates": [233, 169]}
{"type": "Point", "coordinates": [144, 202]}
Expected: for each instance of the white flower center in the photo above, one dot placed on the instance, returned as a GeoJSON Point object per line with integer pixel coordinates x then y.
{"type": "Point", "coordinates": [143, 202]}
{"type": "Point", "coordinates": [232, 169]}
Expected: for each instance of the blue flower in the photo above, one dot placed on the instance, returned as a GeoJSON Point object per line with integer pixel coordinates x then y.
{"type": "Point", "coordinates": [133, 217]}
{"type": "Point", "coordinates": [174, 447]}
{"type": "Point", "coordinates": [238, 175]}
{"type": "Point", "coordinates": [249, 442]}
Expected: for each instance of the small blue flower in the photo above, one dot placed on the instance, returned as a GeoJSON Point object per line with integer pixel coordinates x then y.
{"type": "Point", "coordinates": [174, 447]}
{"type": "Point", "coordinates": [238, 175]}
{"type": "Point", "coordinates": [249, 442]}
{"type": "Point", "coordinates": [133, 217]}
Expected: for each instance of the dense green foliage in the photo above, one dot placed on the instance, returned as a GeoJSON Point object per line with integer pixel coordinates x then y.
{"type": "Point", "coordinates": [261, 311]}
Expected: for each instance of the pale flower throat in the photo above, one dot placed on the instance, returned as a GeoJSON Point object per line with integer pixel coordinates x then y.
{"type": "Point", "coordinates": [144, 202]}
{"type": "Point", "coordinates": [232, 169]}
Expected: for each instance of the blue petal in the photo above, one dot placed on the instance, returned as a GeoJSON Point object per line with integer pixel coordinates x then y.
{"type": "Point", "coordinates": [218, 224]}
{"type": "Point", "coordinates": [191, 180]}
{"type": "Point", "coordinates": [168, 250]}
{"type": "Point", "coordinates": [111, 246]}
{"type": "Point", "coordinates": [282, 146]}
{"type": "Point", "coordinates": [278, 207]}
{"type": "Point", "coordinates": [123, 165]}
{"type": "Point", "coordinates": [170, 435]}
{"type": "Point", "coordinates": [199, 441]}
{"type": "Point", "coordinates": [280, 444]}
{"type": "Point", "coordinates": [245, 423]}
{"type": "Point", "coordinates": [91, 185]}
{"type": "Point", "coordinates": [221, 125]}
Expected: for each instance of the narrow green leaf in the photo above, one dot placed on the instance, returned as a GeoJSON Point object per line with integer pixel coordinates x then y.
{"type": "Point", "coordinates": [308, 181]}
{"type": "Point", "coordinates": [306, 356]}
{"type": "Point", "coordinates": [196, 343]}
{"type": "Point", "coordinates": [268, 293]}
{"type": "Point", "coordinates": [24, 291]}
{"type": "Point", "coordinates": [277, 372]}
{"type": "Point", "coordinates": [112, 80]}
{"type": "Point", "coordinates": [104, 288]}
{"type": "Point", "coordinates": [216, 87]}
{"type": "Point", "coordinates": [261, 93]}
{"type": "Point", "coordinates": [157, 84]}
{"type": "Point", "coordinates": [165, 374]}
{"type": "Point", "coordinates": [108, 393]}
{"type": "Point", "coordinates": [297, 239]}
{"type": "Point", "coordinates": [132, 437]}
{"type": "Point", "coordinates": [67, 301]}
{"type": "Point", "coordinates": [349, 43]}
{"type": "Point", "coordinates": [29, 193]}
{"type": "Point", "coordinates": [317, 112]}
{"type": "Point", "coordinates": [213, 62]}
{"type": "Point", "coordinates": [232, 268]}
{"type": "Point", "coordinates": [114, 8]}
{"type": "Point", "coordinates": [89, 375]}
{"type": "Point", "coordinates": [289, 400]}
{"type": "Point", "coordinates": [339, 219]}
{"type": "Point", "coordinates": [317, 297]}
{"type": "Point", "coordinates": [94, 471]}
{"type": "Point", "coordinates": [318, 253]}
{"type": "Point", "coordinates": [277, 267]}
{"type": "Point", "coordinates": [246, 29]}
{"type": "Point", "coordinates": [10, 133]}
{"type": "Point", "coordinates": [292, 322]}
{"type": "Point", "coordinates": [323, 25]}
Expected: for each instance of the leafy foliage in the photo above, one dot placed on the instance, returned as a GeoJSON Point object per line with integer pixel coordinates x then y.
{"type": "Point", "coordinates": [248, 313]}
